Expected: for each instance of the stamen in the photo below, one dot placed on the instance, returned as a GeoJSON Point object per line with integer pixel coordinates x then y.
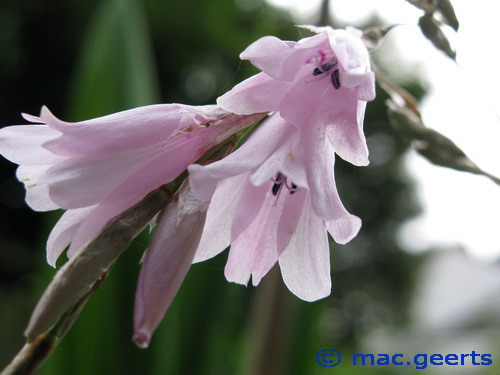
{"type": "Point", "coordinates": [292, 189]}
{"type": "Point", "coordinates": [336, 79]}
{"type": "Point", "coordinates": [279, 181]}
{"type": "Point", "coordinates": [317, 72]}
{"type": "Point", "coordinates": [276, 189]}
{"type": "Point", "coordinates": [326, 67]}
{"type": "Point", "coordinates": [278, 184]}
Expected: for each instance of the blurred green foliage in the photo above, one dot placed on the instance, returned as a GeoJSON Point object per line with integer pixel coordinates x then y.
{"type": "Point", "coordinates": [90, 58]}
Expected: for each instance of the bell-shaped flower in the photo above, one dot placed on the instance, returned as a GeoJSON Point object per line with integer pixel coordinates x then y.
{"type": "Point", "coordinates": [98, 168]}
{"type": "Point", "coordinates": [273, 200]}
{"type": "Point", "coordinates": [323, 81]}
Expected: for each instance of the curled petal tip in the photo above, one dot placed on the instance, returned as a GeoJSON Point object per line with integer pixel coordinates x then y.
{"type": "Point", "coordinates": [45, 112]}
{"type": "Point", "coordinates": [142, 339]}
{"type": "Point", "coordinates": [31, 118]}
{"type": "Point", "coordinates": [343, 230]}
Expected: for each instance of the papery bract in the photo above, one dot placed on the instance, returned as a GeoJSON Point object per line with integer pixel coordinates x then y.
{"type": "Point", "coordinates": [96, 169]}
{"type": "Point", "coordinates": [323, 81]}
{"type": "Point", "coordinates": [274, 199]}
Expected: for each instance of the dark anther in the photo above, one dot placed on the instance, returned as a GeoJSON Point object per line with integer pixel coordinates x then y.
{"type": "Point", "coordinates": [317, 72]}
{"type": "Point", "coordinates": [278, 184]}
{"type": "Point", "coordinates": [336, 79]}
{"type": "Point", "coordinates": [294, 189]}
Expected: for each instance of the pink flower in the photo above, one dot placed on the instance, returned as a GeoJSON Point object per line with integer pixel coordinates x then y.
{"type": "Point", "coordinates": [273, 200]}
{"type": "Point", "coordinates": [323, 81]}
{"type": "Point", "coordinates": [98, 168]}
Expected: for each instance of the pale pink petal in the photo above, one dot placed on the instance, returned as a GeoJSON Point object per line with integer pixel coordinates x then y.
{"type": "Point", "coordinates": [131, 191]}
{"type": "Point", "coordinates": [22, 144]}
{"type": "Point", "coordinates": [345, 132]}
{"type": "Point", "coordinates": [122, 131]}
{"type": "Point", "coordinates": [290, 217]}
{"type": "Point", "coordinates": [366, 91]}
{"type": "Point", "coordinates": [259, 93]}
{"type": "Point", "coordinates": [269, 54]}
{"type": "Point", "coordinates": [305, 263]}
{"type": "Point", "coordinates": [355, 77]}
{"type": "Point", "coordinates": [344, 229]}
{"type": "Point", "coordinates": [254, 252]}
{"type": "Point", "coordinates": [301, 105]}
{"type": "Point", "coordinates": [62, 233]}
{"type": "Point", "coordinates": [248, 206]}
{"type": "Point", "coordinates": [284, 159]}
{"type": "Point", "coordinates": [217, 232]}
{"type": "Point", "coordinates": [31, 118]}
{"type": "Point", "coordinates": [349, 49]}
{"type": "Point", "coordinates": [159, 172]}
{"type": "Point", "coordinates": [279, 59]}
{"type": "Point", "coordinates": [165, 266]}
{"type": "Point", "coordinates": [325, 199]}
{"type": "Point", "coordinates": [96, 220]}
{"type": "Point", "coordinates": [37, 194]}
{"type": "Point", "coordinates": [84, 181]}
{"type": "Point", "coordinates": [261, 145]}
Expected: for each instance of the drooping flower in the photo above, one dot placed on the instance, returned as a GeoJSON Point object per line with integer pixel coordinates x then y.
{"type": "Point", "coordinates": [273, 200]}
{"type": "Point", "coordinates": [323, 82]}
{"type": "Point", "coordinates": [98, 168]}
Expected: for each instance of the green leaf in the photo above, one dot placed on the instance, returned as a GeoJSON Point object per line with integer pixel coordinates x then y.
{"type": "Point", "coordinates": [115, 70]}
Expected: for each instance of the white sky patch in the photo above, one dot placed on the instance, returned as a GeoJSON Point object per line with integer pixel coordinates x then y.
{"type": "Point", "coordinates": [463, 103]}
{"type": "Point", "coordinates": [302, 10]}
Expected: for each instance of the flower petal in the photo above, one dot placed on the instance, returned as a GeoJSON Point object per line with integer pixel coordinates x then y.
{"type": "Point", "coordinates": [22, 144]}
{"type": "Point", "coordinates": [345, 132]}
{"type": "Point", "coordinates": [122, 131]}
{"type": "Point", "coordinates": [355, 77]}
{"type": "Point", "coordinates": [131, 191]}
{"type": "Point", "coordinates": [81, 182]}
{"type": "Point", "coordinates": [305, 263]}
{"type": "Point", "coordinates": [259, 93]}
{"type": "Point", "coordinates": [349, 49]}
{"type": "Point", "coordinates": [282, 60]}
{"type": "Point", "coordinates": [269, 54]}
{"type": "Point", "coordinates": [325, 198]}
{"type": "Point", "coordinates": [62, 233]}
{"type": "Point", "coordinates": [216, 235]}
{"type": "Point", "coordinates": [261, 145]}
{"type": "Point", "coordinates": [254, 252]}
{"type": "Point", "coordinates": [84, 181]}
{"type": "Point", "coordinates": [366, 91]}
{"type": "Point", "coordinates": [301, 104]}
{"type": "Point", "coordinates": [37, 194]}
{"type": "Point", "coordinates": [284, 159]}
{"type": "Point", "coordinates": [248, 206]}
{"type": "Point", "coordinates": [290, 217]}
{"type": "Point", "coordinates": [344, 229]}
